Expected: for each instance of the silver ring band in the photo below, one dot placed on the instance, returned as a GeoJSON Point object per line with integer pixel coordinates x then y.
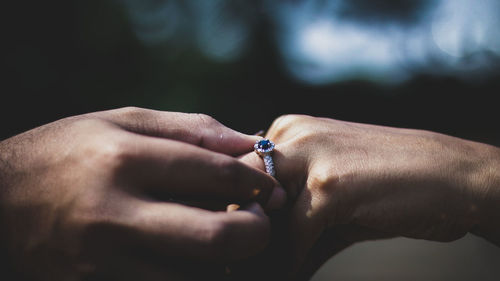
{"type": "Point", "coordinates": [268, 161]}
{"type": "Point", "coordinates": [264, 149]}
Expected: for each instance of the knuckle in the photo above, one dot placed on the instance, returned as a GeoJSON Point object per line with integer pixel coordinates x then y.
{"type": "Point", "coordinates": [205, 120]}
{"type": "Point", "coordinates": [307, 137]}
{"type": "Point", "coordinates": [131, 110]}
{"type": "Point", "coordinates": [96, 143]}
{"type": "Point", "coordinates": [230, 172]}
{"type": "Point", "coordinates": [112, 151]}
{"type": "Point", "coordinates": [106, 153]}
{"type": "Point", "coordinates": [140, 119]}
{"type": "Point", "coordinates": [207, 126]}
{"type": "Point", "coordinates": [327, 187]}
{"type": "Point", "coordinates": [286, 120]}
{"type": "Point", "coordinates": [216, 238]}
{"type": "Point", "coordinates": [129, 113]}
{"type": "Point", "coordinates": [137, 113]}
{"type": "Point", "coordinates": [323, 181]}
{"type": "Point", "coordinates": [286, 123]}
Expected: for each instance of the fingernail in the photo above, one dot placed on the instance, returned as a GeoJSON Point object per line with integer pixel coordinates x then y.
{"type": "Point", "coordinates": [232, 207]}
{"type": "Point", "coordinates": [256, 192]}
{"type": "Point", "coordinates": [277, 199]}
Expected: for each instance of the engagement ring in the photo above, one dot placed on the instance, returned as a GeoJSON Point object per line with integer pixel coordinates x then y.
{"type": "Point", "coordinates": [264, 149]}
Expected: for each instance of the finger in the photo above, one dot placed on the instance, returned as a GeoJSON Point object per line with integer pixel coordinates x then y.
{"type": "Point", "coordinates": [307, 215]}
{"type": "Point", "coordinates": [275, 262]}
{"type": "Point", "coordinates": [287, 127]}
{"type": "Point", "coordinates": [278, 196]}
{"type": "Point", "coordinates": [197, 129]}
{"type": "Point", "coordinates": [253, 160]}
{"type": "Point", "coordinates": [128, 268]}
{"type": "Point", "coordinates": [166, 167]}
{"type": "Point", "coordinates": [290, 167]}
{"type": "Point", "coordinates": [307, 223]}
{"type": "Point", "coordinates": [173, 230]}
{"type": "Point", "coordinates": [105, 256]}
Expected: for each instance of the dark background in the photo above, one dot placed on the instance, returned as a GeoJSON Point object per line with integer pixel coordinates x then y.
{"type": "Point", "coordinates": [63, 58]}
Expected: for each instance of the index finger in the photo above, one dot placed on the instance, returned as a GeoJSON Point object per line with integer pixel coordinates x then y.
{"type": "Point", "coordinates": [177, 231]}
{"type": "Point", "coordinates": [197, 129]}
{"type": "Point", "coordinates": [167, 167]}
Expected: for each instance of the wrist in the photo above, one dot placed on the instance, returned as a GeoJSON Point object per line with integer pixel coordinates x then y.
{"type": "Point", "coordinates": [486, 187]}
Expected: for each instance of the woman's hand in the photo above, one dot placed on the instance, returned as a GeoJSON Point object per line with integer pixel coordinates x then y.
{"type": "Point", "coordinates": [349, 182]}
{"type": "Point", "coordinates": [91, 197]}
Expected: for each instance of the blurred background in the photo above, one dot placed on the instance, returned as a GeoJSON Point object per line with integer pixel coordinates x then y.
{"type": "Point", "coordinates": [411, 63]}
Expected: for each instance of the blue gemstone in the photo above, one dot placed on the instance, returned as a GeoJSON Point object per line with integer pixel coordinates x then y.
{"type": "Point", "coordinates": [264, 144]}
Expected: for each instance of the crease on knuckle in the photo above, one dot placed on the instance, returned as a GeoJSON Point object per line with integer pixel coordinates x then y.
{"type": "Point", "coordinates": [131, 113]}
{"type": "Point", "coordinates": [109, 154]}
{"type": "Point", "coordinates": [205, 121]}
{"type": "Point", "coordinates": [208, 126]}
{"type": "Point", "coordinates": [142, 120]}
{"type": "Point", "coordinates": [305, 138]}
{"type": "Point", "coordinates": [323, 182]}
{"type": "Point", "coordinates": [130, 110]}
{"type": "Point", "coordinates": [327, 188]}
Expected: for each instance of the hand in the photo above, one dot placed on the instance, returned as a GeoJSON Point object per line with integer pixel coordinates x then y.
{"type": "Point", "coordinates": [350, 182]}
{"type": "Point", "coordinates": [90, 197]}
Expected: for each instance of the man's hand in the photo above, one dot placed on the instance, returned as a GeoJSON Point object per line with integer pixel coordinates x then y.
{"type": "Point", "coordinates": [350, 182]}
{"type": "Point", "coordinates": [91, 197]}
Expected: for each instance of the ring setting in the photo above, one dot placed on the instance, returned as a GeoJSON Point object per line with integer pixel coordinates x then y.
{"type": "Point", "coordinates": [264, 148]}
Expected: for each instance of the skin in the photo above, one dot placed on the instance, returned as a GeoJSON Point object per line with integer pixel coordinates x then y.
{"type": "Point", "coordinates": [94, 197]}
{"type": "Point", "coordinates": [350, 182]}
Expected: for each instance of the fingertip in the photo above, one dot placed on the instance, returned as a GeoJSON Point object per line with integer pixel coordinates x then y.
{"type": "Point", "coordinates": [277, 199]}
{"type": "Point", "coordinates": [232, 207]}
{"type": "Point", "coordinates": [249, 139]}
{"type": "Point", "coordinates": [255, 208]}
{"type": "Point", "coordinates": [254, 138]}
{"type": "Point", "coordinates": [231, 142]}
{"type": "Point", "coordinates": [253, 160]}
{"type": "Point", "coordinates": [249, 231]}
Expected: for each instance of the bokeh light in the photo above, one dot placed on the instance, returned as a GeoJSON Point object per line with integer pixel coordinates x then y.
{"type": "Point", "coordinates": [327, 41]}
